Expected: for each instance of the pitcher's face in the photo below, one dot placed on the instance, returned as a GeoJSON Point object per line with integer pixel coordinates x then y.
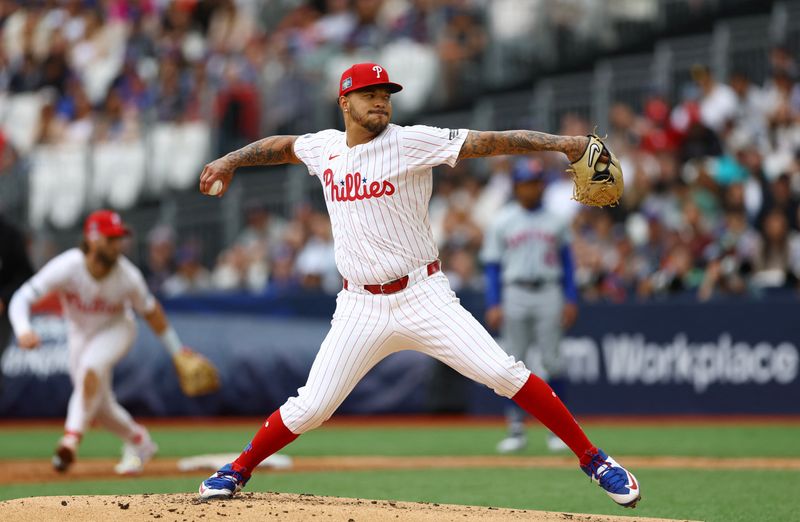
{"type": "Point", "coordinates": [370, 108]}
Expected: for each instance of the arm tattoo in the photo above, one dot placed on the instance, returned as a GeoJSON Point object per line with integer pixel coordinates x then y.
{"type": "Point", "coordinates": [273, 150]}
{"type": "Point", "coordinates": [494, 143]}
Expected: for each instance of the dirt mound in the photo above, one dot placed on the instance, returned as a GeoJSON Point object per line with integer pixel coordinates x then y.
{"type": "Point", "coordinates": [265, 506]}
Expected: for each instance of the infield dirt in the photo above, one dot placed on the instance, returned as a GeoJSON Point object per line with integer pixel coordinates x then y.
{"type": "Point", "coordinates": [268, 506]}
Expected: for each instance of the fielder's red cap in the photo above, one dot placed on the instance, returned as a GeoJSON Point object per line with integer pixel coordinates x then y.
{"type": "Point", "coordinates": [105, 222]}
{"type": "Point", "coordinates": [362, 75]}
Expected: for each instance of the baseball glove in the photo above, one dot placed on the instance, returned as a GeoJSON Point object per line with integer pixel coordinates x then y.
{"type": "Point", "coordinates": [597, 175]}
{"type": "Point", "coordinates": [196, 374]}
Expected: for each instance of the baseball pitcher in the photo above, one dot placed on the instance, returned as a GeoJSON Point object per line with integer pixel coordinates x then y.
{"type": "Point", "coordinates": [531, 292]}
{"type": "Point", "coordinates": [99, 289]}
{"type": "Point", "coordinates": [376, 178]}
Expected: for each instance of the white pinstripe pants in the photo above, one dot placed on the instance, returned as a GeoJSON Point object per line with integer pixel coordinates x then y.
{"type": "Point", "coordinates": [426, 317]}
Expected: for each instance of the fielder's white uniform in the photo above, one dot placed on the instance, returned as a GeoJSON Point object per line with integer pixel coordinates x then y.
{"type": "Point", "coordinates": [101, 330]}
{"type": "Point", "coordinates": [377, 196]}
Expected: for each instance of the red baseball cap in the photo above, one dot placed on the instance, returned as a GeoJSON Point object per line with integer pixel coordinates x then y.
{"type": "Point", "coordinates": [362, 75]}
{"type": "Point", "coordinates": [105, 222]}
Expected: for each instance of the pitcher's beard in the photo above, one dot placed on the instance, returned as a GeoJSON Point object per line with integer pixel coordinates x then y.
{"type": "Point", "coordinates": [375, 127]}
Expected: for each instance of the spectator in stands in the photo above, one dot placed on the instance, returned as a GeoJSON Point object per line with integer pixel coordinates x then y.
{"type": "Point", "coordinates": [416, 22]}
{"type": "Point", "coordinates": [495, 193]}
{"type": "Point", "coordinates": [118, 121]}
{"type": "Point", "coordinates": [316, 264]}
{"type": "Point", "coordinates": [367, 33]}
{"type": "Point", "coordinates": [242, 268]}
{"type": "Point", "coordinates": [80, 117]}
{"type": "Point", "coordinates": [778, 198]}
{"type": "Point", "coordinates": [732, 257]}
{"type": "Point", "coordinates": [191, 277]}
{"type": "Point", "coordinates": [237, 110]}
{"type": "Point", "coordinates": [261, 226]}
{"type": "Point", "coordinates": [26, 75]}
{"type": "Point", "coordinates": [774, 264]}
{"type": "Point", "coordinates": [159, 264]}
{"type": "Point", "coordinates": [460, 267]}
{"type": "Point", "coordinates": [171, 90]}
{"type": "Point", "coordinates": [461, 46]}
{"type": "Point", "coordinates": [750, 114]}
{"type": "Point", "coordinates": [336, 23]}
{"type": "Point", "coordinates": [717, 100]}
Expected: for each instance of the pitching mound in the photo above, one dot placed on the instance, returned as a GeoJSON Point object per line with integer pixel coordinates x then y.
{"type": "Point", "coordinates": [265, 506]}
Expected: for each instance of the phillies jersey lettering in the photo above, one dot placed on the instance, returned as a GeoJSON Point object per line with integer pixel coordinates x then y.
{"type": "Point", "coordinates": [95, 306]}
{"type": "Point", "coordinates": [90, 304]}
{"type": "Point", "coordinates": [352, 189]}
{"type": "Point", "coordinates": [377, 195]}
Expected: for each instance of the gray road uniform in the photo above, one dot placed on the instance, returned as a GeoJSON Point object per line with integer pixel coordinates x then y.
{"type": "Point", "coordinates": [529, 272]}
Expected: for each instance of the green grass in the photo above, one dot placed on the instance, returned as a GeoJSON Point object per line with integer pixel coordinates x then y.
{"type": "Point", "coordinates": [724, 496]}
{"type": "Point", "coordinates": [721, 495]}
{"type": "Point", "coordinates": [713, 441]}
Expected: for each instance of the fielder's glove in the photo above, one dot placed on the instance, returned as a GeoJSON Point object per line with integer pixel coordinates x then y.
{"type": "Point", "coordinates": [597, 175]}
{"type": "Point", "coordinates": [196, 374]}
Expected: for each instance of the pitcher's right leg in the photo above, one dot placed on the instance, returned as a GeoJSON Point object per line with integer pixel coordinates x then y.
{"type": "Point", "coordinates": [359, 338]}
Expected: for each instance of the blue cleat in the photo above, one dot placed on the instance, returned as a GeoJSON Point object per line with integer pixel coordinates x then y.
{"type": "Point", "coordinates": [619, 483]}
{"type": "Point", "coordinates": [223, 484]}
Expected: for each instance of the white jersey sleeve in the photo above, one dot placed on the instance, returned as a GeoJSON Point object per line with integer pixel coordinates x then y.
{"type": "Point", "coordinates": [309, 148]}
{"type": "Point", "coordinates": [50, 278]}
{"type": "Point", "coordinates": [142, 300]}
{"type": "Point", "coordinates": [425, 147]}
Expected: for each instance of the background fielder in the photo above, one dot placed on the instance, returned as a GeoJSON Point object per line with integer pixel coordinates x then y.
{"type": "Point", "coordinates": [377, 180]}
{"type": "Point", "coordinates": [531, 293]}
{"type": "Point", "coordinates": [99, 289]}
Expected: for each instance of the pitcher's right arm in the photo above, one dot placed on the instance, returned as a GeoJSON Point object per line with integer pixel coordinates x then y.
{"type": "Point", "coordinates": [273, 150]}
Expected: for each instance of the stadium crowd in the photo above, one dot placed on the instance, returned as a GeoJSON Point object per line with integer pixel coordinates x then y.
{"type": "Point", "coordinates": [712, 181]}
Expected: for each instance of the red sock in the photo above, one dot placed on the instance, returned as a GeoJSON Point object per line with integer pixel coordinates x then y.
{"type": "Point", "coordinates": [539, 399]}
{"type": "Point", "coordinates": [272, 436]}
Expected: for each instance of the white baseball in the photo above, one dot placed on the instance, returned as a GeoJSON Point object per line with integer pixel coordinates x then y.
{"type": "Point", "coordinates": [216, 188]}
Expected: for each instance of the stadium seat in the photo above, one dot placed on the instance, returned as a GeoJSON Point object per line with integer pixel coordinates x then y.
{"type": "Point", "coordinates": [192, 140]}
{"type": "Point", "coordinates": [70, 184]}
{"type": "Point", "coordinates": [119, 174]}
{"type": "Point", "coordinates": [163, 151]}
{"type": "Point", "coordinates": [21, 119]}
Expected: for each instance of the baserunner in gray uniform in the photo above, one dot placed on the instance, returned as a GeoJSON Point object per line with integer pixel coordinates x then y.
{"type": "Point", "coordinates": [531, 292]}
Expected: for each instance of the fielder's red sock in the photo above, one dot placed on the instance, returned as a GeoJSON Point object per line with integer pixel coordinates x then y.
{"type": "Point", "coordinates": [539, 399]}
{"type": "Point", "coordinates": [272, 436]}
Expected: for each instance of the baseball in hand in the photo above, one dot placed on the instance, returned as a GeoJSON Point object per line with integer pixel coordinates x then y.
{"type": "Point", "coordinates": [216, 188]}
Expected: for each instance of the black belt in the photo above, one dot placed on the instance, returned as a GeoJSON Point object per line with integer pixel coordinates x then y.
{"type": "Point", "coordinates": [533, 284]}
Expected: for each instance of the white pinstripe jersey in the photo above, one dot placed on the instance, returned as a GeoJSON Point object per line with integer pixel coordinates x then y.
{"type": "Point", "coordinates": [377, 196]}
{"type": "Point", "coordinates": [90, 304]}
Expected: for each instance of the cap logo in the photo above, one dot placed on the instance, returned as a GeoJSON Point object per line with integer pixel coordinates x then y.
{"type": "Point", "coordinates": [378, 70]}
{"type": "Point", "coordinates": [115, 219]}
{"type": "Point", "coordinates": [347, 83]}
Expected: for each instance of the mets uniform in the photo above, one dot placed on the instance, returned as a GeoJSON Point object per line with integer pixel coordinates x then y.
{"type": "Point", "coordinates": [528, 263]}
{"type": "Point", "coordinates": [100, 328]}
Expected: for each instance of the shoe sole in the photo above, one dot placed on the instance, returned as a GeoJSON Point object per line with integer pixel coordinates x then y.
{"type": "Point", "coordinates": [632, 503]}
{"type": "Point", "coordinates": [221, 496]}
{"type": "Point", "coordinates": [63, 459]}
{"type": "Point", "coordinates": [204, 495]}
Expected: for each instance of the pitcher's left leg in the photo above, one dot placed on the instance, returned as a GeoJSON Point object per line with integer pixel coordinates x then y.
{"type": "Point", "coordinates": [433, 316]}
